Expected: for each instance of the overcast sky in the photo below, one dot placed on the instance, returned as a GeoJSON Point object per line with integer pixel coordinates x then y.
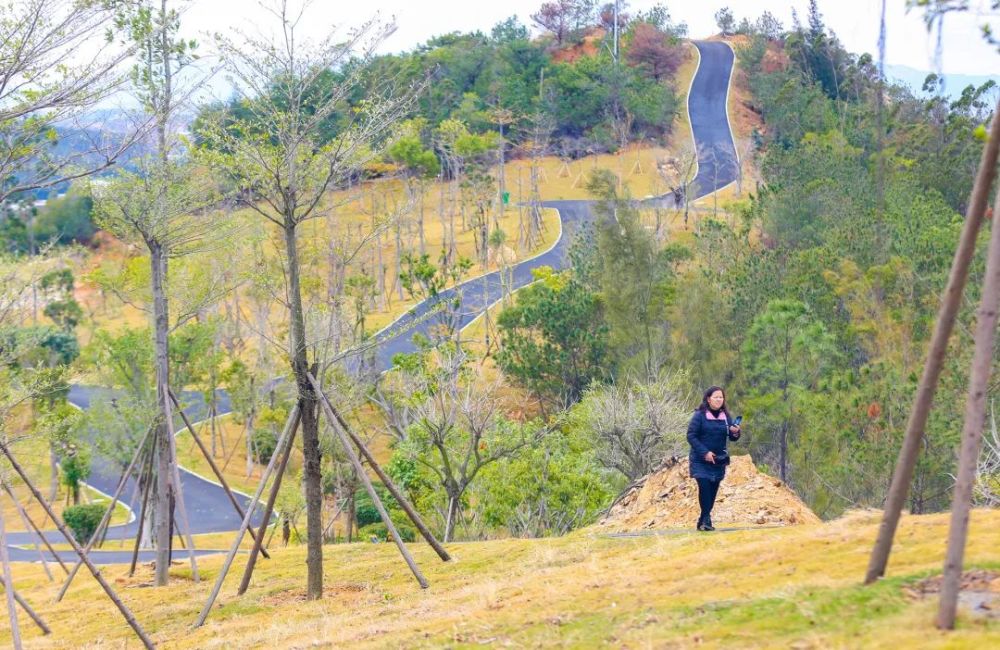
{"type": "Point", "coordinates": [854, 21]}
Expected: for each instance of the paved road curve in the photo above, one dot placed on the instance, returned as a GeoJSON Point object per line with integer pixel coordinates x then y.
{"type": "Point", "coordinates": [717, 167]}
{"type": "Point", "coordinates": [208, 508]}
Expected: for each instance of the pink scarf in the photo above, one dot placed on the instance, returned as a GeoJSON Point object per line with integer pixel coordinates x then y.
{"type": "Point", "coordinates": [722, 416]}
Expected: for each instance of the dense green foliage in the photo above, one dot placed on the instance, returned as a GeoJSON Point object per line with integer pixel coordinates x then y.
{"type": "Point", "coordinates": [502, 81]}
{"type": "Point", "coordinates": [813, 305]}
{"type": "Point", "coordinates": [83, 520]}
{"type": "Point", "coordinates": [828, 286]}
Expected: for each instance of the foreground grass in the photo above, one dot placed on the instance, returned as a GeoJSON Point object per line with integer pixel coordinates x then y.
{"type": "Point", "coordinates": [791, 587]}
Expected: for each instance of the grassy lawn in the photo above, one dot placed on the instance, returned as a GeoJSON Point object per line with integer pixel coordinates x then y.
{"type": "Point", "coordinates": [791, 587]}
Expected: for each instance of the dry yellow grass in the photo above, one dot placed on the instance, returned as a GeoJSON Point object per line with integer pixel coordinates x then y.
{"type": "Point", "coordinates": [789, 587]}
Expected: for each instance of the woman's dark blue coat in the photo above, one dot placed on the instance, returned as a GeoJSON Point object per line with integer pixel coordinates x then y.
{"type": "Point", "coordinates": [705, 436]}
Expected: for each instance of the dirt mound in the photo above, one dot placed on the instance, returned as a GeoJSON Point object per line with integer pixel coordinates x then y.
{"type": "Point", "coordinates": [668, 498]}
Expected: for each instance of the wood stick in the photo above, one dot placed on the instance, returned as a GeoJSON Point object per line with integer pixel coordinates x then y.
{"type": "Point", "coordinates": [268, 509]}
{"type": "Point", "coordinates": [211, 463]}
{"type": "Point", "coordinates": [28, 610]}
{"type": "Point", "coordinates": [8, 582]}
{"type": "Point", "coordinates": [126, 613]}
{"type": "Point", "coordinates": [393, 490]}
{"type": "Point", "coordinates": [349, 450]}
{"type": "Point", "coordinates": [107, 515]}
{"type": "Point", "coordinates": [972, 429]}
{"type": "Point", "coordinates": [951, 301]}
{"type": "Point", "coordinates": [179, 493]}
{"type": "Point", "coordinates": [290, 427]}
{"type": "Point", "coordinates": [28, 525]}
{"type": "Point", "coordinates": [38, 531]}
{"type": "Point", "coordinates": [146, 479]}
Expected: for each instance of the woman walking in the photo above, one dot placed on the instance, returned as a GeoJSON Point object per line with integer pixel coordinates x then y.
{"type": "Point", "coordinates": [709, 429]}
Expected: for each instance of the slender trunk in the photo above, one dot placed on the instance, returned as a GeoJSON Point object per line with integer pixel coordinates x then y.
{"type": "Point", "coordinates": [311, 475]}
{"type": "Point", "coordinates": [399, 260]}
{"type": "Point", "coordinates": [249, 429]}
{"type": "Point", "coordinates": [54, 473]}
{"type": "Point", "coordinates": [350, 516]}
{"type": "Point", "coordinates": [449, 524]}
{"type": "Point", "coordinates": [160, 496]}
{"type": "Point", "coordinates": [379, 265]}
{"type": "Point", "coordinates": [420, 216]}
{"type": "Point", "coordinates": [8, 584]}
{"type": "Point", "coordinates": [972, 432]}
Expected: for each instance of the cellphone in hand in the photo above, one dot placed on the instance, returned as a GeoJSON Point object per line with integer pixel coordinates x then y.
{"type": "Point", "coordinates": [736, 422]}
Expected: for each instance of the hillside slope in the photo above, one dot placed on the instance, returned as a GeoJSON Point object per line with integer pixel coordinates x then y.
{"type": "Point", "coordinates": [787, 587]}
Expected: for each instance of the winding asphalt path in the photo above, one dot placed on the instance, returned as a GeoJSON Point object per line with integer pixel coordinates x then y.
{"type": "Point", "coordinates": [717, 167]}
{"type": "Point", "coordinates": [208, 507]}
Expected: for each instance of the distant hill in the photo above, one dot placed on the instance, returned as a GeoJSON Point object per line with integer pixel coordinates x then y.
{"type": "Point", "coordinates": [954, 83]}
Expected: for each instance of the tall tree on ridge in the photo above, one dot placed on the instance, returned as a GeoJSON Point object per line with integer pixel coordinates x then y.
{"type": "Point", "coordinates": [278, 154]}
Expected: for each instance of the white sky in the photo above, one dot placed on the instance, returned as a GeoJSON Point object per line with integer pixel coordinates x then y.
{"type": "Point", "coordinates": [854, 21]}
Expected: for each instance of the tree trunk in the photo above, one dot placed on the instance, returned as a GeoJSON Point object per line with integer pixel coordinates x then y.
{"type": "Point", "coordinates": [250, 458]}
{"type": "Point", "coordinates": [399, 259]}
{"type": "Point", "coordinates": [311, 475]}
{"type": "Point", "coordinates": [54, 475]}
{"type": "Point", "coordinates": [449, 524]}
{"type": "Point", "coordinates": [8, 584]}
{"type": "Point", "coordinates": [350, 515]}
{"type": "Point", "coordinates": [160, 496]}
{"type": "Point", "coordinates": [420, 216]}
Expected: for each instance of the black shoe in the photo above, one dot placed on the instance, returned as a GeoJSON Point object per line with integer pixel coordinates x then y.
{"type": "Point", "coordinates": [708, 524]}
{"type": "Point", "coordinates": [702, 525]}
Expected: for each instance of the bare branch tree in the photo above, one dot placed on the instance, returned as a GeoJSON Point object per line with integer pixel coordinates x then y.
{"type": "Point", "coordinates": [285, 162]}
{"type": "Point", "coordinates": [45, 96]}
{"type": "Point", "coordinates": [636, 426]}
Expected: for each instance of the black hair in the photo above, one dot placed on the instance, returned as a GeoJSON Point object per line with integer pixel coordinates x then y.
{"type": "Point", "coordinates": [708, 393]}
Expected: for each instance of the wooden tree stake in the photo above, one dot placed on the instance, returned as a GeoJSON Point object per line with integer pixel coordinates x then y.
{"type": "Point", "coordinates": [290, 427]}
{"type": "Point", "coordinates": [129, 618]}
{"type": "Point", "coordinates": [178, 492]}
{"type": "Point", "coordinates": [29, 611]}
{"type": "Point", "coordinates": [8, 582]}
{"type": "Point", "coordinates": [349, 450]}
{"type": "Point", "coordinates": [404, 503]}
{"type": "Point", "coordinates": [30, 525]}
{"type": "Point", "coordinates": [211, 463]}
{"type": "Point", "coordinates": [107, 514]}
{"type": "Point", "coordinates": [951, 301]}
{"type": "Point", "coordinates": [972, 430]}
{"type": "Point", "coordinates": [268, 509]}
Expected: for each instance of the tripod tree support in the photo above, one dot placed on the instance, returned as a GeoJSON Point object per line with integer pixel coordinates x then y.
{"type": "Point", "coordinates": [107, 514]}
{"type": "Point", "coordinates": [8, 583]}
{"type": "Point", "coordinates": [30, 525]}
{"type": "Point", "coordinates": [258, 540]}
{"type": "Point", "coordinates": [178, 494]}
{"type": "Point", "coordinates": [291, 426]}
{"type": "Point", "coordinates": [337, 419]}
{"type": "Point", "coordinates": [349, 450]}
{"type": "Point", "coordinates": [28, 609]}
{"type": "Point", "coordinates": [215, 468]}
{"type": "Point", "coordinates": [972, 429]}
{"type": "Point", "coordinates": [145, 481]}
{"type": "Point", "coordinates": [126, 613]}
{"type": "Point", "coordinates": [951, 301]}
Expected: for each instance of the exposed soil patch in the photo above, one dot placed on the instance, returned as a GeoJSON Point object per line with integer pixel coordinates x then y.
{"type": "Point", "coordinates": [299, 596]}
{"type": "Point", "coordinates": [979, 593]}
{"type": "Point", "coordinates": [668, 498]}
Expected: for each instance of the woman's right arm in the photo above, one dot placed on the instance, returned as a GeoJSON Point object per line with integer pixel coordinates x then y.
{"type": "Point", "coordinates": [694, 431]}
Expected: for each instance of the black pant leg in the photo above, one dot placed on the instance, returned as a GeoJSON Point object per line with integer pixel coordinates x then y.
{"type": "Point", "coordinates": [707, 489]}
